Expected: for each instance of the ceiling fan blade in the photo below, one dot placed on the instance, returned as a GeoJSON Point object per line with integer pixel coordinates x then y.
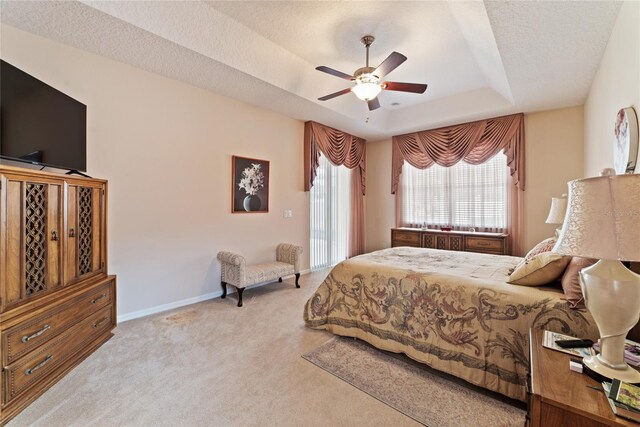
{"type": "Point", "coordinates": [373, 104]}
{"type": "Point", "coordinates": [333, 95]}
{"type": "Point", "coordinates": [388, 65]}
{"type": "Point", "coordinates": [334, 72]}
{"type": "Point", "coordinates": [405, 87]}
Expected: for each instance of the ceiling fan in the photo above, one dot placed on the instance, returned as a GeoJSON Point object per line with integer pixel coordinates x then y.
{"type": "Point", "coordinates": [368, 79]}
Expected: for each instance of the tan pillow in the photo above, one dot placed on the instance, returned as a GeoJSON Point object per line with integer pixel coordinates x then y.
{"type": "Point", "coordinates": [545, 246]}
{"type": "Point", "coordinates": [539, 270]}
{"type": "Point", "coordinates": [571, 280]}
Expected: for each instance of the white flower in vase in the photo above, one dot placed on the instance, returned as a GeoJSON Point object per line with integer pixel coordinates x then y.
{"type": "Point", "coordinates": [252, 179]}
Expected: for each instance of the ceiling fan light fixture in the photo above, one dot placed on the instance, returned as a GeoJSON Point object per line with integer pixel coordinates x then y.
{"type": "Point", "coordinates": [367, 87]}
{"type": "Point", "coordinates": [369, 80]}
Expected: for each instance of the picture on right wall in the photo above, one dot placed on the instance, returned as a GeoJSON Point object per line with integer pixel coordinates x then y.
{"type": "Point", "coordinates": [625, 154]}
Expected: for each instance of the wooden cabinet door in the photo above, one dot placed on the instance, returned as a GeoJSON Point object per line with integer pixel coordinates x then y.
{"type": "Point", "coordinates": [30, 243]}
{"type": "Point", "coordinates": [85, 231]}
{"type": "Point", "coordinates": [452, 242]}
{"type": "Point", "coordinates": [91, 230]}
{"type": "Point", "coordinates": [484, 244]}
{"type": "Point", "coordinates": [442, 242]}
{"type": "Point", "coordinates": [428, 240]}
{"type": "Point", "coordinates": [405, 238]}
{"type": "Point", "coordinates": [456, 243]}
{"type": "Point", "coordinates": [71, 227]}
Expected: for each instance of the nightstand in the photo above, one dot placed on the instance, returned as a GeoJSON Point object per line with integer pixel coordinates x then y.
{"type": "Point", "coordinates": [560, 397]}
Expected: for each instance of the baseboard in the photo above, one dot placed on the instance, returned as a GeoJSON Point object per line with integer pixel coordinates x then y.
{"type": "Point", "coordinates": [170, 306]}
{"type": "Point", "coordinates": [177, 304]}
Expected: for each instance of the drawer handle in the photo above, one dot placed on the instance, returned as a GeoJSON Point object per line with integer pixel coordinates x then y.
{"type": "Point", "coordinates": [54, 235]}
{"type": "Point", "coordinates": [39, 365]}
{"type": "Point", "coordinates": [103, 296]}
{"type": "Point", "coordinates": [99, 323]}
{"type": "Point", "coordinates": [72, 233]}
{"type": "Point", "coordinates": [37, 334]}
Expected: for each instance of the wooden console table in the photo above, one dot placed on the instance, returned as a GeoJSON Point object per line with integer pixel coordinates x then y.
{"type": "Point", "coordinates": [489, 243]}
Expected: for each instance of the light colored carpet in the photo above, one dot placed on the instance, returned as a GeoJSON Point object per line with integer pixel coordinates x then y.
{"type": "Point", "coordinates": [411, 388]}
{"type": "Point", "coordinates": [212, 364]}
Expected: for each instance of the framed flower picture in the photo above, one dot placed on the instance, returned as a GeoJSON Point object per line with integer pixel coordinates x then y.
{"type": "Point", "coordinates": [250, 179]}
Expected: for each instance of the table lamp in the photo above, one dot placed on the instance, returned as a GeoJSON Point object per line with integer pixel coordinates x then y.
{"type": "Point", "coordinates": [557, 211]}
{"type": "Point", "coordinates": [603, 222]}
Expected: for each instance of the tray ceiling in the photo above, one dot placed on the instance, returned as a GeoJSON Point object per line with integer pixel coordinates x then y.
{"type": "Point", "coordinates": [480, 59]}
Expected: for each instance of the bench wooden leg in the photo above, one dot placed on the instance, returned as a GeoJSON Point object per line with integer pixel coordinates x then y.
{"type": "Point", "coordinates": [240, 291]}
{"type": "Point", "coordinates": [224, 289]}
{"type": "Point", "coordinates": [297, 277]}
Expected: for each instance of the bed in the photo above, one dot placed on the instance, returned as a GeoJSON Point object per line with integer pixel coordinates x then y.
{"type": "Point", "coordinates": [453, 311]}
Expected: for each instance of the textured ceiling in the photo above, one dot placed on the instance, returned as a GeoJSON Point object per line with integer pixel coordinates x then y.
{"type": "Point", "coordinates": [480, 59]}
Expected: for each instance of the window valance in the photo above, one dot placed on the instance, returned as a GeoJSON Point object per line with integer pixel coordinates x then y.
{"type": "Point", "coordinates": [339, 147]}
{"type": "Point", "coordinates": [474, 142]}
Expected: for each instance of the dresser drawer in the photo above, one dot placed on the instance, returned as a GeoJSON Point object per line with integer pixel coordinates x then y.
{"type": "Point", "coordinates": [484, 244]}
{"type": "Point", "coordinates": [33, 331]}
{"type": "Point", "coordinates": [405, 238]}
{"type": "Point", "coordinates": [35, 366]}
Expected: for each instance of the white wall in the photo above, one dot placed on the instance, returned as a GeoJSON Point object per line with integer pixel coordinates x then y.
{"type": "Point", "coordinates": [553, 156]}
{"type": "Point", "coordinates": [379, 202]}
{"type": "Point", "coordinates": [615, 86]}
{"type": "Point", "coordinates": [166, 149]}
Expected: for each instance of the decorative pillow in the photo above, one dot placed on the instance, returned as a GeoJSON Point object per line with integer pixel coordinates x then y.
{"type": "Point", "coordinates": [571, 280]}
{"type": "Point", "coordinates": [545, 246]}
{"type": "Point", "coordinates": [539, 270]}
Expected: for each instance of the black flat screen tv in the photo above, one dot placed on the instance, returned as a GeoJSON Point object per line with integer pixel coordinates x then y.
{"type": "Point", "coordinates": [40, 124]}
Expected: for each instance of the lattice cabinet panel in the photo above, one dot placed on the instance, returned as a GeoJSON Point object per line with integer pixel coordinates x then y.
{"type": "Point", "coordinates": [30, 236]}
{"type": "Point", "coordinates": [85, 230]}
{"type": "Point", "coordinates": [455, 243]}
{"type": "Point", "coordinates": [85, 224]}
{"type": "Point", "coordinates": [35, 238]}
{"type": "Point", "coordinates": [428, 241]}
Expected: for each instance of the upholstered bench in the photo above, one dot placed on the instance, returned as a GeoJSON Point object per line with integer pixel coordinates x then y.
{"type": "Point", "coordinates": [234, 270]}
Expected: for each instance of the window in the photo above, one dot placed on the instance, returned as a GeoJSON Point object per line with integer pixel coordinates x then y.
{"type": "Point", "coordinates": [460, 196]}
{"type": "Point", "coordinates": [330, 207]}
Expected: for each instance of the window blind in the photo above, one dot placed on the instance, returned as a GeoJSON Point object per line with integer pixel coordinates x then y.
{"type": "Point", "coordinates": [330, 206]}
{"type": "Point", "coordinates": [461, 196]}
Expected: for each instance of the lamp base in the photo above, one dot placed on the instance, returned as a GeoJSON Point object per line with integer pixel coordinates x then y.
{"type": "Point", "coordinates": [626, 373]}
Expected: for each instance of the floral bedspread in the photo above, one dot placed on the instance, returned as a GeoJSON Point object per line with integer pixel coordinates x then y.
{"type": "Point", "coordinates": [453, 311]}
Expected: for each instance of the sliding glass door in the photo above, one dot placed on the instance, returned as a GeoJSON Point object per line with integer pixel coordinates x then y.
{"type": "Point", "coordinates": [330, 204]}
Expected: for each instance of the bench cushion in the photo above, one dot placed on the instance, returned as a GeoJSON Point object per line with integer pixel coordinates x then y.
{"type": "Point", "coordinates": [268, 271]}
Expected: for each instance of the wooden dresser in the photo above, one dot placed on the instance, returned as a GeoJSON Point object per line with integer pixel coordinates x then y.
{"type": "Point", "coordinates": [490, 243]}
{"type": "Point", "coordinates": [57, 302]}
{"type": "Point", "coordinates": [562, 398]}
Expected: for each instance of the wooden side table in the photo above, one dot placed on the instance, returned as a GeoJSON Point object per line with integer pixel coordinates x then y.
{"type": "Point", "coordinates": [560, 397]}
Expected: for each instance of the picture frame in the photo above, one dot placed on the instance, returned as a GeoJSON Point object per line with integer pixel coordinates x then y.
{"type": "Point", "coordinates": [626, 145]}
{"type": "Point", "coordinates": [249, 185]}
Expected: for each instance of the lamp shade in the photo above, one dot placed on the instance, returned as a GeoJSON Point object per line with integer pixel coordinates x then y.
{"type": "Point", "coordinates": [557, 211]}
{"type": "Point", "coordinates": [366, 91]}
{"type": "Point", "coordinates": [602, 219]}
